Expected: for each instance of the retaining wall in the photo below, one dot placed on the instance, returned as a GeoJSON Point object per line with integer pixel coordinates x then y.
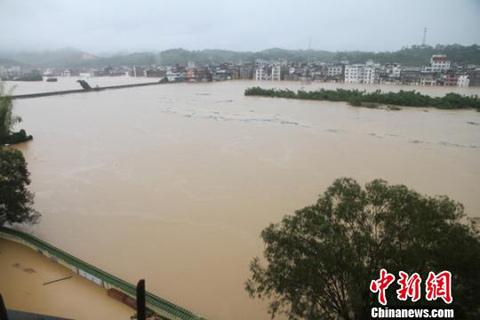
{"type": "Point", "coordinates": [160, 306]}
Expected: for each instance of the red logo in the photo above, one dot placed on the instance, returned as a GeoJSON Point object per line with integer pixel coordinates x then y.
{"type": "Point", "coordinates": [409, 287]}
{"type": "Point", "coordinates": [437, 286]}
{"type": "Point", "coordinates": [381, 285]}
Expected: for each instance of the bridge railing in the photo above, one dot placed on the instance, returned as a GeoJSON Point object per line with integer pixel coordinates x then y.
{"type": "Point", "coordinates": [159, 305]}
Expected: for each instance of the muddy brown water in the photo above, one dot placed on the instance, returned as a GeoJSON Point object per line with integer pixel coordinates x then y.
{"type": "Point", "coordinates": [173, 183]}
{"type": "Point", "coordinates": [31, 282]}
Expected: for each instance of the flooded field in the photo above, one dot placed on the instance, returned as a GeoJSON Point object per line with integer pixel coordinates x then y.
{"type": "Point", "coordinates": [173, 183]}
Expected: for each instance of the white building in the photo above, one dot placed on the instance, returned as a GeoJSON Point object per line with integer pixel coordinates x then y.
{"type": "Point", "coordinates": [276, 73]}
{"type": "Point", "coordinates": [260, 74]}
{"type": "Point", "coordinates": [367, 74]}
{"type": "Point", "coordinates": [359, 73]}
{"type": "Point", "coordinates": [438, 63]}
{"type": "Point", "coordinates": [463, 80]}
{"type": "Point", "coordinates": [352, 74]}
{"type": "Point", "coordinates": [393, 70]}
{"type": "Point", "coordinates": [396, 71]}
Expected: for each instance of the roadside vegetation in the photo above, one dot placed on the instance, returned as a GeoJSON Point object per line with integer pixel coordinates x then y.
{"type": "Point", "coordinates": [373, 99]}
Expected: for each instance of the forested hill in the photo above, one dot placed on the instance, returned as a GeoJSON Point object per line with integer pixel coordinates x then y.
{"type": "Point", "coordinates": [408, 56]}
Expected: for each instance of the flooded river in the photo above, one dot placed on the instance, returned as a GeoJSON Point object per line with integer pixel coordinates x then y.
{"type": "Point", "coordinates": [173, 183]}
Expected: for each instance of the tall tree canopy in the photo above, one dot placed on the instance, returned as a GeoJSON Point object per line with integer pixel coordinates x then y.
{"type": "Point", "coordinates": [321, 260]}
{"type": "Point", "coordinates": [16, 201]}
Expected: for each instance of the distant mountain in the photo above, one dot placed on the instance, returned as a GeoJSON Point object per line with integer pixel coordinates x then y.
{"type": "Point", "coordinates": [407, 56]}
{"type": "Point", "coordinates": [69, 57]}
{"type": "Point", "coordinates": [8, 62]}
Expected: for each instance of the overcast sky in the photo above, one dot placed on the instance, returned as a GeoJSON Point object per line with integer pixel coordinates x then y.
{"type": "Point", "coordinates": [126, 25]}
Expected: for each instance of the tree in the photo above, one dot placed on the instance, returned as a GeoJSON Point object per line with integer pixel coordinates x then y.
{"type": "Point", "coordinates": [321, 260]}
{"type": "Point", "coordinates": [16, 201]}
{"type": "Point", "coordinates": [8, 120]}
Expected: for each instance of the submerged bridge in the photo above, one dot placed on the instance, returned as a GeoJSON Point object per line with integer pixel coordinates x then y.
{"type": "Point", "coordinates": [160, 306]}
{"type": "Point", "coordinates": [84, 90]}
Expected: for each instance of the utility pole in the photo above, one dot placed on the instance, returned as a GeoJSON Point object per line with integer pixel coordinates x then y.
{"type": "Point", "coordinates": [3, 310]}
{"type": "Point", "coordinates": [141, 300]}
{"type": "Point", "coordinates": [424, 42]}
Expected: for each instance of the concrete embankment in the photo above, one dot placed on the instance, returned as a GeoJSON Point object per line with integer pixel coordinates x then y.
{"type": "Point", "coordinates": [59, 93]}
{"type": "Point", "coordinates": [161, 307]}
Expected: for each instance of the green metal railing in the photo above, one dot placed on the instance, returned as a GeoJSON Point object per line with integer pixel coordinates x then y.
{"type": "Point", "coordinates": [161, 306]}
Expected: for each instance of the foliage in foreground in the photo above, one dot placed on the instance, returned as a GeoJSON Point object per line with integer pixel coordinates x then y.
{"type": "Point", "coordinates": [16, 201]}
{"type": "Point", "coordinates": [357, 97]}
{"type": "Point", "coordinates": [8, 121]}
{"type": "Point", "coordinates": [320, 261]}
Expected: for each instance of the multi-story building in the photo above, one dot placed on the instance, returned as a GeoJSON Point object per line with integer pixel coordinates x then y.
{"type": "Point", "coordinates": [137, 71]}
{"type": "Point", "coordinates": [334, 70]}
{"type": "Point", "coordinates": [393, 70]}
{"type": "Point", "coordinates": [453, 78]}
{"type": "Point", "coordinates": [438, 63]}
{"type": "Point", "coordinates": [268, 72]}
{"type": "Point", "coordinates": [474, 77]}
{"type": "Point", "coordinates": [276, 73]}
{"type": "Point", "coordinates": [412, 76]}
{"type": "Point", "coordinates": [427, 79]}
{"type": "Point", "coordinates": [246, 71]}
{"type": "Point", "coordinates": [359, 73]}
{"type": "Point", "coordinates": [462, 80]}
{"type": "Point", "coordinates": [260, 73]}
{"type": "Point", "coordinates": [352, 73]}
{"type": "Point", "coordinates": [367, 74]}
{"type": "Point", "coordinates": [450, 79]}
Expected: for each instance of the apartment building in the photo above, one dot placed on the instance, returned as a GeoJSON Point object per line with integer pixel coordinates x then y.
{"type": "Point", "coordinates": [334, 70]}
{"type": "Point", "coordinates": [260, 73]}
{"type": "Point", "coordinates": [359, 73]}
{"type": "Point", "coordinates": [276, 73]}
{"type": "Point", "coordinates": [438, 63]}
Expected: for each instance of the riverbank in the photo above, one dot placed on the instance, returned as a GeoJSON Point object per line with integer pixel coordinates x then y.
{"type": "Point", "coordinates": [374, 99]}
{"type": "Point", "coordinates": [161, 307]}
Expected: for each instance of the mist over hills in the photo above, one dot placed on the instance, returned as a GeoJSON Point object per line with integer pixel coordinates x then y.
{"type": "Point", "coordinates": [72, 58]}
